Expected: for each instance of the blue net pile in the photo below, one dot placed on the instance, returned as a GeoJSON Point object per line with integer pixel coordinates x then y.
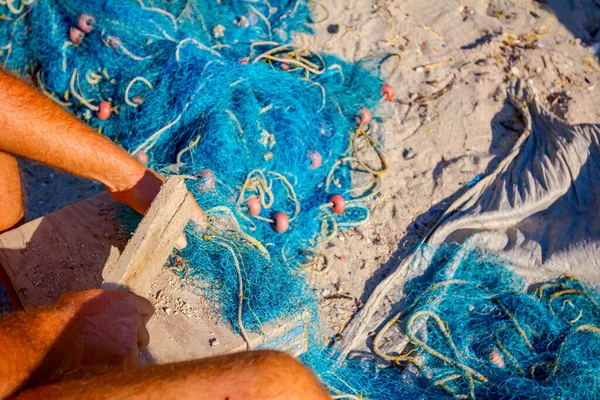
{"type": "Point", "coordinates": [214, 91]}
{"type": "Point", "coordinates": [477, 331]}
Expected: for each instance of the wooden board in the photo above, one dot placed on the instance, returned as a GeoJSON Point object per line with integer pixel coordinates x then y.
{"type": "Point", "coordinates": [153, 241]}
{"type": "Point", "coordinates": [78, 247]}
{"type": "Point", "coordinates": [64, 251]}
{"type": "Point", "coordinates": [186, 327]}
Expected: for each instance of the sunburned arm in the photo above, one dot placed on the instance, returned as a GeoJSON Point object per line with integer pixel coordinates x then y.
{"type": "Point", "coordinates": [26, 340]}
{"type": "Point", "coordinates": [34, 127]}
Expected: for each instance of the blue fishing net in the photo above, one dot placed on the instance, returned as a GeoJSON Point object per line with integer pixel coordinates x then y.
{"type": "Point", "coordinates": [216, 92]}
{"type": "Point", "coordinates": [477, 331]}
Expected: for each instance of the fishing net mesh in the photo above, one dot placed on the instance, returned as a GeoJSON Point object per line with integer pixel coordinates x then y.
{"type": "Point", "coordinates": [475, 329]}
{"type": "Point", "coordinates": [196, 86]}
{"type": "Point", "coordinates": [215, 91]}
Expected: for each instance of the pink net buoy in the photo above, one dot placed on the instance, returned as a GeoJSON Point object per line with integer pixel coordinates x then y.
{"type": "Point", "coordinates": [254, 206]}
{"type": "Point", "coordinates": [105, 110]}
{"type": "Point", "coordinates": [315, 159]}
{"type": "Point", "coordinates": [339, 204]}
{"type": "Point", "coordinates": [141, 157]}
{"type": "Point", "coordinates": [388, 92]}
{"type": "Point", "coordinates": [252, 18]}
{"type": "Point", "coordinates": [76, 35]}
{"type": "Point", "coordinates": [364, 117]}
{"type": "Point", "coordinates": [206, 180]}
{"type": "Point", "coordinates": [497, 359]}
{"type": "Point", "coordinates": [114, 42]}
{"type": "Point", "coordinates": [282, 222]}
{"type": "Point", "coordinates": [285, 66]}
{"type": "Point", "coordinates": [86, 23]}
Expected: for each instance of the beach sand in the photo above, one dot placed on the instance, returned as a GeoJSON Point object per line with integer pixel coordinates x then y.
{"type": "Point", "coordinates": [434, 146]}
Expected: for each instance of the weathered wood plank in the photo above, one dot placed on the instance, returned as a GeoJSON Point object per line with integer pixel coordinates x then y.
{"type": "Point", "coordinates": [73, 248]}
{"type": "Point", "coordinates": [153, 240]}
{"type": "Point", "coordinates": [64, 251]}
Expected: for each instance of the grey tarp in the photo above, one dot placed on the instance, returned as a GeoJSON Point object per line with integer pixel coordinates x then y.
{"type": "Point", "coordinates": [540, 208]}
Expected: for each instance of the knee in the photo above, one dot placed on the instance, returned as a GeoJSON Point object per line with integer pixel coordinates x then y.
{"type": "Point", "coordinates": [278, 372]}
{"type": "Point", "coordinates": [12, 211]}
{"type": "Point", "coordinates": [272, 362]}
{"type": "Point", "coordinates": [12, 215]}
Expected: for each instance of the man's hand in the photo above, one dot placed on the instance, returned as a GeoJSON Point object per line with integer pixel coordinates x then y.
{"type": "Point", "coordinates": [92, 331]}
{"type": "Point", "coordinates": [140, 193]}
{"type": "Point", "coordinates": [106, 327]}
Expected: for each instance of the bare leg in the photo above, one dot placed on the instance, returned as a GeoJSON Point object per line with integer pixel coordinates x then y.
{"type": "Point", "coordinates": [258, 375]}
{"type": "Point", "coordinates": [12, 211]}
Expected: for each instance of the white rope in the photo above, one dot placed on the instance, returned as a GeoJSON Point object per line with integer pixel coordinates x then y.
{"type": "Point", "coordinates": [265, 19]}
{"type": "Point", "coordinates": [160, 11]}
{"type": "Point", "coordinates": [154, 137]}
{"type": "Point", "coordinates": [134, 80]}
{"type": "Point", "coordinates": [198, 44]}
{"type": "Point", "coordinates": [12, 9]}
{"type": "Point", "coordinates": [83, 101]}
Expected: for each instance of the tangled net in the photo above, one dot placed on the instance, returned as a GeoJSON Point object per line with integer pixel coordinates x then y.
{"type": "Point", "coordinates": [217, 93]}
{"type": "Point", "coordinates": [475, 331]}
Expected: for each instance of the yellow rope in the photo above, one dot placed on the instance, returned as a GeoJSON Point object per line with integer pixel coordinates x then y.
{"type": "Point", "coordinates": [311, 266]}
{"type": "Point", "coordinates": [468, 370]}
{"type": "Point", "coordinates": [512, 359]}
{"type": "Point", "coordinates": [240, 291]}
{"type": "Point", "coordinates": [516, 323]}
{"type": "Point", "coordinates": [584, 328]}
{"type": "Point", "coordinates": [560, 293]}
{"type": "Point", "coordinates": [384, 166]}
{"type": "Point", "coordinates": [255, 242]}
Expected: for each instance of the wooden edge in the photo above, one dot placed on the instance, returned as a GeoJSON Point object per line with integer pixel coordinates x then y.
{"type": "Point", "coordinates": [37, 250]}
{"type": "Point", "coordinates": [153, 240]}
{"type": "Point", "coordinates": [8, 281]}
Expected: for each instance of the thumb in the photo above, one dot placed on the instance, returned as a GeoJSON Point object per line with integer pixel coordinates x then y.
{"type": "Point", "coordinates": [198, 216]}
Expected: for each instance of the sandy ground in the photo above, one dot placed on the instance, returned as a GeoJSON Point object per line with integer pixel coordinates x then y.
{"type": "Point", "coordinates": [434, 146]}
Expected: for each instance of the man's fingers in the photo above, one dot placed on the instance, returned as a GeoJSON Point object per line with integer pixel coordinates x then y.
{"type": "Point", "coordinates": [181, 242]}
{"type": "Point", "coordinates": [144, 307]}
{"type": "Point", "coordinates": [134, 358]}
{"type": "Point", "coordinates": [198, 216]}
{"type": "Point", "coordinates": [141, 157]}
{"type": "Point", "coordinates": [143, 337]}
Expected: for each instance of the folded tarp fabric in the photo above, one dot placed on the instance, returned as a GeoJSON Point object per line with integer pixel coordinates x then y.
{"type": "Point", "coordinates": [539, 209]}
